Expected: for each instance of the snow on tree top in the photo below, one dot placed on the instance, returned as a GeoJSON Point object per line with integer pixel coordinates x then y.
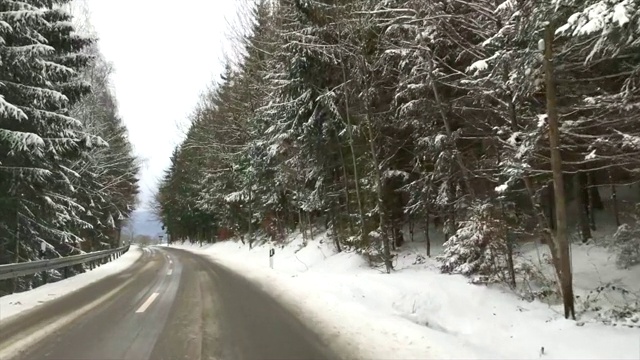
{"type": "Point", "coordinates": [600, 16]}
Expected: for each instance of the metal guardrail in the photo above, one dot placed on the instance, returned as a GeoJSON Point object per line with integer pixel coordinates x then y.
{"type": "Point", "coordinates": [11, 271]}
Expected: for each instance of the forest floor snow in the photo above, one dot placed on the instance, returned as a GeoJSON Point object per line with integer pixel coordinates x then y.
{"type": "Point", "coordinates": [14, 304]}
{"type": "Point", "coordinates": [416, 312]}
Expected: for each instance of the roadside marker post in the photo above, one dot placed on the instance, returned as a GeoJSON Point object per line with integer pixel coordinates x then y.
{"type": "Point", "coordinates": [271, 253]}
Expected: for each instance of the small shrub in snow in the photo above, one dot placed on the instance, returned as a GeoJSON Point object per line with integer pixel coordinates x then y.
{"type": "Point", "coordinates": [374, 252]}
{"type": "Point", "coordinates": [612, 305]}
{"type": "Point", "coordinates": [534, 284]}
{"type": "Point", "coordinates": [478, 247]}
{"type": "Point", "coordinates": [420, 259]}
{"type": "Point", "coordinates": [626, 241]}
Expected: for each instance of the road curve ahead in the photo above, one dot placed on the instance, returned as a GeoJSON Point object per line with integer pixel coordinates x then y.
{"type": "Point", "coordinates": [170, 305]}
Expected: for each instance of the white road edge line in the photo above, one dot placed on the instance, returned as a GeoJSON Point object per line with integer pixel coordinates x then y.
{"type": "Point", "coordinates": [170, 272]}
{"type": "Point", "coordinates": [147, 303]}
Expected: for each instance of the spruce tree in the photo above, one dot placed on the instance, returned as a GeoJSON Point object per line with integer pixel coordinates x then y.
{"type": "Point", "coordinates": [39, 82]}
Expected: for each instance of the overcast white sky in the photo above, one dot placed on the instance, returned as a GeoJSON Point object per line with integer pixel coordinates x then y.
{"type": "Point", "coordinates": [165, 53]}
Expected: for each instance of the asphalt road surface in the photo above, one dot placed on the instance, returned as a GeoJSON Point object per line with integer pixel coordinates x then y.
{"type": "Point", "coordinates": [170, 305]}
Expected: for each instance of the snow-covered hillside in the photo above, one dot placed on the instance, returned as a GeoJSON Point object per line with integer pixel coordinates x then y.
{"type": "Point", "coordinates": [417, 312]}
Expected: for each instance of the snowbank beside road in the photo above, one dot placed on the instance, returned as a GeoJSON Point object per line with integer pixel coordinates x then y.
{"type": "Point", "coordinates": [416, 312]}
{"type": "Point", "coordinates": [14, 304]}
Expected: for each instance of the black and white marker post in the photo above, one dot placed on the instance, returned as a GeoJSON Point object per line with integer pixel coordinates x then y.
{"type": "Point", "coordinates": [43, 253]}
{"type": "Point", "coordinates": [43, 249]}
{"type": "Point", "coordinates": [271, 253]}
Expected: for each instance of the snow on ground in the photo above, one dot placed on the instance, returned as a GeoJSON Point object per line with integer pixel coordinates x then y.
{"type": "Point", "coordinates": [417, 312]}
{"type": "Point", "coordinates": [14, 304]}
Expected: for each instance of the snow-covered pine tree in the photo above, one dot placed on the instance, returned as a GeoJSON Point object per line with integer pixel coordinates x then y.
{"type": "Point", "coordinates": [427, 47]}
{"type": "Point", "coordinates": [295, 142]}
{"type": "Point", "coordinates": [107, 182]}
{"type": "Point", "coordinates": [39, 81]}
{"type": "Point", "coordinates": [445, 101]}
{"type": "Point", "coordinates": [479, 245]}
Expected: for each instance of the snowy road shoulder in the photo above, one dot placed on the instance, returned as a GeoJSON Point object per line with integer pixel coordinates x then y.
{"type": "Point", "coordinates": [14, 304]}
{"type": "Point", "coordinates": [418, 312]}
{"type": "Point", "coordinates": [348, 318]}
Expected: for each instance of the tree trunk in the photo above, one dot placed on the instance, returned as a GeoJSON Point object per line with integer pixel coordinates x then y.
{"type": "Point", "coordinates": [426, 232]}
{"type": "Point", "coordinates": [393, 199]}
{"type": "Point", "coordinates": [336, 241]}
{"type": "Point", "coordinates": [592, 195]}
{"type": "Point", "coordinates": [310, 223]}
{"type": "Point", "coordinates": [427, 216]}
{"type": "Point", "coordinates": [363, 233]}
{"type": "Point", "coordinates": [118, 237]}
{"type": "Point", "coordinates": [508, 234]}
{"type": "Point", "coordinates": [614, 199]}
{"type": "Point", "coordinates": [411, 227]}
{"type": "Point", "coordinates": [334, 230]}
{"type": "Point", "coordinates": [393, 236]}
{"type": "Point", "coordinates": [549, 206]}
{"type": "Point", "coordinates": [250, 223]}
{"type": "Point", "coordinates": [303, 228]}
{"type": "Point", "coordinates": [582, 197]}
{"type": "Point", "coordinates": [398, 218]}
{"type": "Point", "coordinates": [17, 254]}
{"type": "Point", "coordinates": [366, 74]}
{"type": "Point", "coordinates": [281, 221]}
{"type": "Point", "coordinates": [448, 224]}
{"type": "Point", "coordinates": [346, 189]}
{"type": "Point", "coordinates": [380, 195]}
{"type": "Point", "coordinates": [543, 224]}
{"type": "Point", "coordinates": [512, 270]}
{"type": "Point", "coordinates": [466, 178]}
{"type": "Point", "coordinates": [451, 219]}
{"type": "Point", "coordinates": [562, 243]}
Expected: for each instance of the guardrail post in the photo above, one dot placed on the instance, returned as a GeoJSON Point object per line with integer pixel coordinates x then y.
{"type": "Point", "coordinates": [45, 277]}
{"type": "Point", "coordinates": [66, 272]}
